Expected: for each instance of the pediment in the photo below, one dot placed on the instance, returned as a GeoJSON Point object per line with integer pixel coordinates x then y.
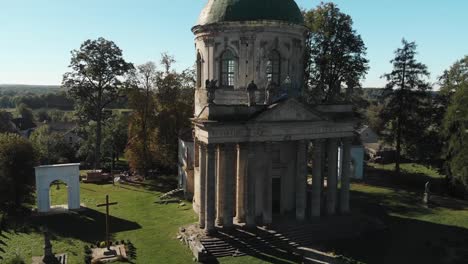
{"type": "Point", "coordinates": [289, 110]}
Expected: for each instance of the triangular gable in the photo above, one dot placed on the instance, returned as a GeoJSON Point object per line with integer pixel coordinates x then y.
{"type": "Point", "coordinates": [289, 110]}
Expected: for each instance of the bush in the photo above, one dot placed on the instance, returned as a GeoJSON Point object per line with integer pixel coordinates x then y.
{"type": "Point", "coordinates": [17, 260]}
{"type": "Point", "coordinates": [17, 160]}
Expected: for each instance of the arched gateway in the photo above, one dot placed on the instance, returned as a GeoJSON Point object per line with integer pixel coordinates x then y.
{"type": "Point", "coordinates": [46, 175]}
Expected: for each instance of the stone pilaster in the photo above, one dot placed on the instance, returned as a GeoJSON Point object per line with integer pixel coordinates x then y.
{"type": "Point", "coordinates": [301, 179]}
{"type": "Point", "coordinates": [229, 184]}
{"type": "Point", "coordinates": [210, 210]}
{"type": "Point", "coordinates": [202, 202]}
{"type": "Point", "coordinates": [332, 178]}
{"type": "Point", "coordinates": [345, 176]}
{"type": "Point", "coordinates": [241, 182]}
{"type": "Point", "coordinates": [317, 178]}
{"type": "Point", "coordinates": [267, 192]}
{"type": "Point", "coordinates": [220, 177]}
{"type": "Point", "coordinates": [251, 186]}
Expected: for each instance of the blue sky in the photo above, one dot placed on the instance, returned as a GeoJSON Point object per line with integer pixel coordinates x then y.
{"type": "Point", "coordinates": [36, 36]}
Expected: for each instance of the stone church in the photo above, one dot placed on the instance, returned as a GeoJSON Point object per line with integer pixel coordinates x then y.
{"type": "Point", "coordinates": [254, 140]}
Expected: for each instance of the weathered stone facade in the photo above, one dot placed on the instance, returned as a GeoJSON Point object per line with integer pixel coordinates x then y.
{"type": "Point", "coordinates": [251, 158]}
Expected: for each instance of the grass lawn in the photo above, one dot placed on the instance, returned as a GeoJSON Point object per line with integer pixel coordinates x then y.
{"type": "Point", "coordinates": [414, 234]}
{"type": "Point", "coordinates": [151, 227]}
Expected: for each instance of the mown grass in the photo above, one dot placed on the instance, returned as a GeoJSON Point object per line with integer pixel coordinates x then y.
{"type": "Point", "coordinates": [151, 227]}
{"type": "Point", "coordinates": [413, 234]}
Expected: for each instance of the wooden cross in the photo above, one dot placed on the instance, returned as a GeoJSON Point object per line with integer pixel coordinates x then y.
{"type": "Point", "coordinates": [107, 204]}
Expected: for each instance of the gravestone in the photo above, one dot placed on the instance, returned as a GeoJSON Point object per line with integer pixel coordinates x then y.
{"type": "Point", "coordinates": [49, 257]}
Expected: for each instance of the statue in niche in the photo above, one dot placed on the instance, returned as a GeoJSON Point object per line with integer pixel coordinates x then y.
{"type": "Point", "coordinates": [211, 87]}
{"type": "Point", "coordinates": [251, 89]}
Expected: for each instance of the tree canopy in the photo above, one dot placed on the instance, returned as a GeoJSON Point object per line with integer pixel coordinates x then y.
{"type": "Point", "coordinates": [335, 54]}
{"type": "Point", "coordinates": [95, 82]}
{"type": "Point", "coordinates": [17, 159]}
{"type": "Point", "coordinates": [406, 106]}
{"type": "Point", "coordinates": [454, 86]}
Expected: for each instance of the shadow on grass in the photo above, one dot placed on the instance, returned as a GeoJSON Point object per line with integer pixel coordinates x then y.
{"type": "Point", "coordinates": [405, 240]}
{"type": "Point", "coordinates": [407, 181]}
{"type": "Point", "coordinates": [87, 225]}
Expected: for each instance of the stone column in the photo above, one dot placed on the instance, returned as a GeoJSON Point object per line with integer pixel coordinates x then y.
{"type": "Point", "coordinates": [229, 183]}
{"type": "Point", "coordinates": [202, 202]}
{"type": "Point", "coordinates": [332, 176]}
{"type": "Point", "coordinates": [250, 188]}
{"type": "Point", "coordinates": [267, 191]}
{"type": "Point", "coordinates": [346, 169]}
{"type": "Point", "coordinates": [317, 178]}
{"type": "Point", "coordinates": [240, 182]}
{"type": "Point", "coordinates": [196, 155]}
{"type": "Point", "coordinates": [301, 179]}
{"type": "Point", "coordinates": [220, 174]}
{"type": "Point", "coordinates": [210, 210]}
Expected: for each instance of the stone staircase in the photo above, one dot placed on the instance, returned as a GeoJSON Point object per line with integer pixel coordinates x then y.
{"type": "Point", "coordinates": [288, 241]}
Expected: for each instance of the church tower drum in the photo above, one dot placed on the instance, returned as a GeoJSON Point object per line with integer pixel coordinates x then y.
{"type": "Point", "coordinates": [240, 42]}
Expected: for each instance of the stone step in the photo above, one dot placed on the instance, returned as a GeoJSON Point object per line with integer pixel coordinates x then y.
{"type": "Point", "coordinates": [313, 261]}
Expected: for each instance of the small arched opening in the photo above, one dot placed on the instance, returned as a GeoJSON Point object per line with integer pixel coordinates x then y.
{"type": "Point", "coordinates": [58, 195]}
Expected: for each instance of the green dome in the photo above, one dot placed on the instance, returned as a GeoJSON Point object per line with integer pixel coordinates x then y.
{"type": "Point", "coordinates": [250, 10]}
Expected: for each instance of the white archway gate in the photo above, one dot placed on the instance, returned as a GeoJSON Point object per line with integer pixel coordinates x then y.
{"type": "Point", "coordinates": [68, 173]}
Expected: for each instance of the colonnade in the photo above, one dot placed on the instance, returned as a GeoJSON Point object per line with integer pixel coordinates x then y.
{"type": "Point", "coordinates": [230, 172]}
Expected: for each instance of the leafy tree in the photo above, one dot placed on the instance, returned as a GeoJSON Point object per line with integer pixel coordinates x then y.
{"type": "Point", "coordinates": [25, 112]}
{"type": "Point", "coordinates": [17, 160]}
{"type": "Point", "coordinates": [168, 111]}
{"type": "Point", "coordinates": [115, 137]}
{"type": "Point", "coordinates": [5, 122]}
{"type": "Point", "coordinates": [174, 104]}
{"type": "Point", "coordinates": [335, 55]}
{"type": "Point", "coordinates": [405, 111]}
{"type": "Point", "coordinates": [143, 122]}
{"type": "Point", "coordinates": [96, 80]}
{"type": "Point", "coordinates": [51, 147]}
{"type": "Point", "coordinates": [454, 87]}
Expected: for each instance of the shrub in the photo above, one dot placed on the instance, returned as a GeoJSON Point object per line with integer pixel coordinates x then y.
{"type": "Point", "coordinates": [17, 159]}
{"type": "Point", "coordinates": [17, 260]}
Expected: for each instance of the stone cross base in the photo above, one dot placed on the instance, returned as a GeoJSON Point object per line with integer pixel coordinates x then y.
{"type": "Point", "coordinates": [61, 259]}
{"type": "Point", "coordinates": [115, 253]}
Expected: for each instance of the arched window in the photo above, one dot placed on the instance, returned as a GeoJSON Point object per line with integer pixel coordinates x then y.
{"type": "Point", "coordinates": [228, 67]}
{"type": "Point", "coordinates": [274, 67]}
{"type": "Point", "coordinates": [199, 70]}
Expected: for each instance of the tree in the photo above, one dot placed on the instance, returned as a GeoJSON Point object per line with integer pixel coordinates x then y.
{"type": "Point", "coordinates": [96, 80]}
{"type": "Point", "coordinates": [25, 112]}
{"type": "Point", "coordinates": [5, 122]}
{"type": "Point", "coordinates": [17, 160]}
{"type": "Point", "coordinates": [174, 104]}
{"type": "Point", "coordinates": [454, 89]}
{"type": "Point", "coordinates": [406, 106]}
{"type": "Point", "coordinates": [144, 118]}
{"type": "Point", "coordinates": [51, 147]}
{"type": "Point", "coordinates": [162, 114]}
{"type": "Point", "coordinates": [335, 55]}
